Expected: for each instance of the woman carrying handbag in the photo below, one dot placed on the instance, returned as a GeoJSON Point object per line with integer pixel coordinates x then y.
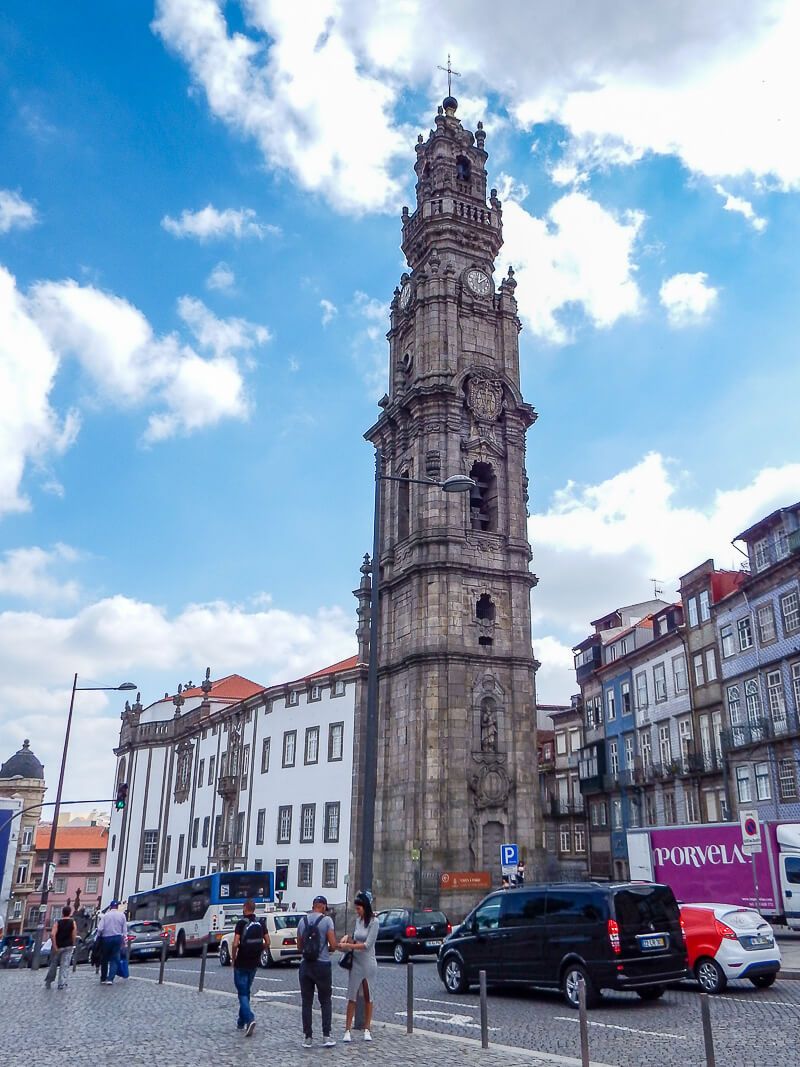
{"type": "Point", "coordinates": [364, 969]}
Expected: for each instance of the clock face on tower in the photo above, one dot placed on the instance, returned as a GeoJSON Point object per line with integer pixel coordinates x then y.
{"type": "Point", "coordinates": [405, 295]}
{"type": "Point", "coordinates": [479, 283]}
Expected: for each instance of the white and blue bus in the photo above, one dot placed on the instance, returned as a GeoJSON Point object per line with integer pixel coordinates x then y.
{"type": "Point", "coordinates": [201, 909]}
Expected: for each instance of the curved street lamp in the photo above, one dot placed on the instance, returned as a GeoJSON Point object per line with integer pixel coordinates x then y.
{"type": "Point", "coordinates": [456, 483]}
{"type": "Point", "coordinates": [51, 848]}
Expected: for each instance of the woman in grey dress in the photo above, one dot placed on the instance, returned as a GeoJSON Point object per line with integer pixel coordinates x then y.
{"type": "Point", "coordinates": [365, 966]}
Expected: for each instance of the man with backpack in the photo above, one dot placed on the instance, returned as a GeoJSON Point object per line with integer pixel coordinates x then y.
{"type": "Point", "coordinates": [316, 940]}
{"type": "Point", "coordinates": [250, 938]}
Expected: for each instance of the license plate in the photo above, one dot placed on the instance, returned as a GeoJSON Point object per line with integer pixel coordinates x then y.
{"type": "Point", "coordinates": [148, 948]}
{"type": "Point", "coordinates": [432, 944]}
{"type": "Point", "coordinates": [649, 944]}
{"type": "Point", "coordinates": [760, 939]}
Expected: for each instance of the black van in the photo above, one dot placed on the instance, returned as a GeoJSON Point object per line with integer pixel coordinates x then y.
{"type": "Point", "coordinates": [621, 935]}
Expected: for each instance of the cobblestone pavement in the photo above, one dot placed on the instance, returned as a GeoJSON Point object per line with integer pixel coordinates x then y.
{"type": "Point", "coordinates": [751, 1027]}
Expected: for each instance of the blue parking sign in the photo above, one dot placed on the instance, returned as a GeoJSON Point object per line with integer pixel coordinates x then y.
{"type": "Point", "coordinates": [509, 855]}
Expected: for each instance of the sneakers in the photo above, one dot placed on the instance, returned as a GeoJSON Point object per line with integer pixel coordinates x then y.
{"type": "Point", "coordinates": [307, 1042]}
{"type": "Point", "coordinates": [347, 1038]}
{"type": "Point", "coordinates": [329, 1042]}
{"type": "Point", "coordinates": [248, 1030]}
{"type": "Point", "coordinates": [108, 981]}
{"type": "Point", "coordinates": [367, 1035]}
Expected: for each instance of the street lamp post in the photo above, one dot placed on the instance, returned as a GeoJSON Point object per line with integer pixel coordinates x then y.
{"type": "Point", "coordinates": [51, 848]}
{"type": "Point", "coordinates": [458, 483]}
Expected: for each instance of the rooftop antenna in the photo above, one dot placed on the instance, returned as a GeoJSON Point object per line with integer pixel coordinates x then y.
{"type": "Point", "coordinates": [658, 589]}
{"type": "Point", "coordinates": [450, 73]}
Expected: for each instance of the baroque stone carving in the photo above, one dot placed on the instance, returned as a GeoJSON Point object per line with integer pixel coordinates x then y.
{"type": "Point", "coordinates": [491, 787]}
{"type": "Point", "coordinates": [485, 398]}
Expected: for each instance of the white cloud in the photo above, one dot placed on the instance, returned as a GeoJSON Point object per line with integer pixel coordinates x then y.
{"type": "Point", "coordinates": [15, 212]}
{"type": "Point", "coordinates": [578, 255]}
{"type": "Point", "coordinates": [221, 278]}
{"type": "Point", "coordinates": [220, 336]}
{"type": "Point", "coordinates": [369, 341]}
{"type": "Point", "coordinates": [688, 298]}
{"type": "Point", "coordinates": [741, 207]}
{"type": "Point", "coordinates": [117, 639]}
{"type": "Point", "coordinates": [555, 679]}
{"type": "Point", "coordinates": [211, 224]}
{"type": "Point", "coordinates": [329, 311]}
{"type": "Point", "coordinates": [26, 574]}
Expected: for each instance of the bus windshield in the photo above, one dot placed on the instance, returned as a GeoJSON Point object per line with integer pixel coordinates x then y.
{"type": "Point", "coordinates": [243, 885]}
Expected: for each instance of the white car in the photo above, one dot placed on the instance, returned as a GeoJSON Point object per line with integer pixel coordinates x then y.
{"type": "Point", "coordinates": [726, 941]}
{"type": "Point", "coordinates": [282, 930]}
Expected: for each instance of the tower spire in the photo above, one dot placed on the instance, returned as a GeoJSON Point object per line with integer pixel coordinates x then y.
{"type": "Point", "coordinates": [450, 73]}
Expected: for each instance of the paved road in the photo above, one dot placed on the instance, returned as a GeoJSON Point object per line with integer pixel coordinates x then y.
{"type": "Point", "coordinates": [751, 1027]}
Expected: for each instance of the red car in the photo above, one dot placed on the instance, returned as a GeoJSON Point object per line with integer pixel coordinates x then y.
{"type": "Point", "coordinates": [727, 941]}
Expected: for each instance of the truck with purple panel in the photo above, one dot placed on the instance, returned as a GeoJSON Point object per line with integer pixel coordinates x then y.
{"type": "Point", "coordinates": [707, 864]}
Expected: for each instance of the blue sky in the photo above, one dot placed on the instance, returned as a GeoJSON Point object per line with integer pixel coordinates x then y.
{"type": "Point", "coordinates": [199, 237]}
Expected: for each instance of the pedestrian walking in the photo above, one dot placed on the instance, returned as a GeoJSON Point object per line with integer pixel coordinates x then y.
{"type": "Point", "coordinates": [316, 939]}
{"type": "Point", "coordinates": [364, 971]}
{"type": "Point", "coordinates": [62, 945]}
{"type": "Point", "coordinates": [249, 941]}
{"type": "Point", "coordinates": [113, 929]}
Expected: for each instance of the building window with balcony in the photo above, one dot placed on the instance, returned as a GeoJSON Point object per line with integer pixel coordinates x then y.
{"type": "Point", "coordinates": [149, 848]}
{"type": "Point", "coordinates": [777, 703]}
{"type": "Point", "coordinates": [564, 839]}
{"type": "Point", "coordinates": [685, 738]}
{"type": "Point", "coordinates": [92, 884]}
{"type": "Point", "coordinates": [761, 554]}
{"type": "Point", "coordinates": [699, 672]}
{"type": "Point", "coordinates": [625, 694]}
{"type": "Point", "coordinates": [335, 742]}
{"type": "Point", "coordinates": [613, 758]}
{"type": "Point", "coordinates": [22, 873]}
{"type": "Point", "coordinates": [331, 833]}
{"type": "Point", "coordinates": [743, 789]}
{"type": "Point", "coordinates": [312, 745]}
{"type": "Point", "coordinates": [692, 806]}
{"type": "Point", "coordinates": [765, 621]}
{"type": "Point", "coordinates": [579, 839]}
{"type": "Point", "coordinates": [27, 838]}
{"type": "Point", "coordinates": [711, 665]}
{"type": "Point", "coordinates": [641, 692]}
{"type": "Point", "coordinates": [660, 682]}
{"type": "Point", "coordinates": [305, 874]}
{"type": "Point", "coordinates": [265, 755]}
{"type": "Point", "coordinates": [206, 830]}
{"type": "Point", "coordinates": [745, 631]}
{"type": "Point", "coordinates": [679, 673]}
{"type": "Point", "coordinates": [284, 824]}
{"type": "Point", "coordinates": [692, 607]}
{"type": "Point", "coordinates": [705, 607]}
{"type": "Point", "coordinates": [308, 814]}
{"type": "Point", "coordinates": [330, 874]}
{"type": "Point", "coordinates": [726, 640]}
{"type": "Point", "coordinates": [629, 751]}
{"type": "Point", "coordinates": [289, 746]}
{"type": "Point", "coordinates": [752, 699]}
{"type": "Point", "coordinates": [787, 779]}
{"type": "Point", "coordinates": [611, 711]}
{"type": "Point", "coordinates": [646, 748]}
{"type": "Point", "coordinates": [670, 814]}
{"type": "Point", "coordinates": [796, 686]}
{"type": "Point", "coordinates": [763, 791]}
{"type": "Point", "coordinates": [665, 745]}
{"type": "Point", "coordinates": [790, 611]}
{"type": "Point", "coordinates": [735, 713]}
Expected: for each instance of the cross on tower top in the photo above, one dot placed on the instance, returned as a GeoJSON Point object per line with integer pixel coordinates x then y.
{"type": "Point", "coordinates": [450, 73]}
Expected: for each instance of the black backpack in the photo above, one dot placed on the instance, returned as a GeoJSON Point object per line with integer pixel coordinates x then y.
{"type": "Point", "coordinates": [252, 939]}
{"type": "Point", "coordinates": [312, 940]}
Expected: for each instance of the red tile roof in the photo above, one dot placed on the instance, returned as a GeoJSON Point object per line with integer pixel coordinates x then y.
{"type": "Point", "coordinates": [72, 837]}
{"type": "Point", "coordinates": [231, 687]}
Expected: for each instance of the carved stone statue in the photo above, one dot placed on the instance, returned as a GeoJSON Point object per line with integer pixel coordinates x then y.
{"type": "Point", "coordinates": [488, 727]}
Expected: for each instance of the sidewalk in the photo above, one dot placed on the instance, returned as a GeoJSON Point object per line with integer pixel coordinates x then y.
{"type": "Point", "coordinates": [789, 944]}
{"type": "Point", "coordinates": [141, 1023]}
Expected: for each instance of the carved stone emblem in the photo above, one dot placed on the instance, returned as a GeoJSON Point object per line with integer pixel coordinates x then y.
{"type": "Point", "coordinates": [491, 787]}
{"type": "Point", "coordinates": [485, 398]}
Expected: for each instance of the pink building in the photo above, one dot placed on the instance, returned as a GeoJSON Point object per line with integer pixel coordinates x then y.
{"type": "Point", "coordinates": [79, 860]}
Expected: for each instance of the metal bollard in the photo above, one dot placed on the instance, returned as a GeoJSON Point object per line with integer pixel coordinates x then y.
{"type": "Point", "coordinates": [163, 961]}
{"type": "Point", "coordinates": [409, 997]}
{"type": "Point", "coordinates": [708, 1037]}
{"type": "Point", "coordinates": [584, 1023]}
{"type": "Point", "coordinates": [203, 959]}
{"type": "Point", "coordinates": [484, 1011]}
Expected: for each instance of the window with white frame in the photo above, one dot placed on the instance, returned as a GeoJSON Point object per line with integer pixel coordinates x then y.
{"type": "Point", "coordinates": [245, 766]}
{"type": "Point", "coordinates": [692, 805]}
{"type": "Point", "coordinates": [699, 670]}
{"type": "Point", "coordinates": [660, 682]}
{"type": "Point", "coordinates": [743, 787]}
{"type": "Point", "coordinates": [765, 621]}
{"type": "Point", "coordinates": [613, 757]}
{"type": "Point", "coordinates": [315, 693]}
{"type": "Point", "coordinates": [781, 543]}
{"type": "Point", "coordinates": [685, 737]}
{"type": "Point", "coordinates": [574, 741]}
{"type": "Point", "coordinates": [646, 747]}
{"type": "Point", "coordinates": [564, 839]}
{"type": "Point", "coordinates": [308, 814]}
{"type": "Point", "coordinates": [670, 812]}
{"type": "Point", "coordinates": [692, 606]}
{"type": "Point", "coordinates": [679, 673]}
{"type": "Point", "coordinates": [796, 686]}
{"type": "Point", "coordinates": [561, 743]}
{"type": "Point", "coordinates": [641, 691]}
{"type": "Point", "coordinates": [149, 849]}
{"type": "Point", "coordinates": [777, 703]}
{"type": "Point", "coordinates": [726, 640]}
{"type": "Point", "coordinates": [335, 741]}
{"type": "Point", "coordinates": [201, 773]}
{"type": "Point", "coordinates": [787, 778]}
{"type": "Point", "coordinates": [284, 824]}
{"type": "Point", "coordinates": [752, 699]}
{"type": "Point", "coordinates": [211, 766]}
{"type": "Point", "coordinates": [92, 884]}
{"type": "Point", "coordinates": [579, 838]}
{"type": "Point", "coordinates": [332, 816]}
{"type": "Point", "coordinates": [289, 748]}
{"type": "Point", "coordinates": [745, 631]}
{"type": "Point", "coordinates": [265, 746]}
{"type": "Point", "coordinates": [705, 607]}
{"type": "Point", "coordinates": [665, 744]}
{"type": "Point", "coordinates": [16, 911]}
{"type": "Point", "coordinates": [761, 554]}
{"type": "Point", "coordinates": [711, 665]}
{"type": "Point", "coordinates": [305, 874]}
{"type": "Point", "coordinates": [629, 751]}
{"type": "Point", "coordinates": [292, 698]}
{"type": "Point", "coordinates": [338, 688]}
{"type": "Point", "coordinates": [625, 696]}
{"type": "Point", "coordinates": [22, 872]}
{"type": "Point", "coordinates": [26, 838]}
{"type": "Point", "coordinates": [312, 745]}
{"type": "Point", "coordinates": [650, 812]}
{"type": "Point", "coordinates": [611, 711]}
{"type": "Point", "coordinates": [616, 814]}
{"type": "Point", "coordinates": [733, 695]}
{"type": "Point", "coordinates": [330, 874]}
{"type": "Point", "coordinates": [790, 610]}
{"type": "Point", "coordinates": [763, 791]}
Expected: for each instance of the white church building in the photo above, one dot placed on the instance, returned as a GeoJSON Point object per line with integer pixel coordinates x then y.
{"type": "Point", "coordinates": [229, 775]}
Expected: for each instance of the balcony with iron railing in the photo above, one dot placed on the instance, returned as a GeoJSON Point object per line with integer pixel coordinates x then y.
{"type": "Point", "coordinates": [566, 806]}
{"type": "Point", "coordinates": [228, 785]}
{"type": "Point", "coordinates": [757, 731]}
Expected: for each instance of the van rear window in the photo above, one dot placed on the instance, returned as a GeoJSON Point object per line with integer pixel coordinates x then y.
{"type": "Point", "coordinates": [646, 909]}
{"type": "Point", "coordinates": [425, 918]}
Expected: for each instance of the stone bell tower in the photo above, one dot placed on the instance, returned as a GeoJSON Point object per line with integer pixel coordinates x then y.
{"type": "Point", "coordinates": [456, 704]}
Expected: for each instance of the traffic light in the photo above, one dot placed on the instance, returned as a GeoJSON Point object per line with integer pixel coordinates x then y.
{"type": "Point", "coordinates": [281, 877]}
{"type": "Point", "coordinates": [122, 796]}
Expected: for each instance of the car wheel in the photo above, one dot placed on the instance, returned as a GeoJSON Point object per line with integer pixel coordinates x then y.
{"type": "Point", "coordinates": [571, 984]}
{"type": "Point", "coordinates": [265, 959]}
{"type": "Point", "coordinates": [710, 975]}
{"type": "Point", "coordinates": [455, 980]}
{"type": "Point", "coordinates": [400, 952]}
{"type": "Point", "coordinates": [224, 955]}
{"type": "Point", "coordinates": [763, 981]}
{"type": "Point", "coordinates": [652, 992]}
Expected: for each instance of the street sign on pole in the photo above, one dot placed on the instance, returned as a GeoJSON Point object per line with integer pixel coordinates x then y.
{"type": "Point", "coordinates": [751, 831]}
{"type": "Point", "coordinates": [509, 858]}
